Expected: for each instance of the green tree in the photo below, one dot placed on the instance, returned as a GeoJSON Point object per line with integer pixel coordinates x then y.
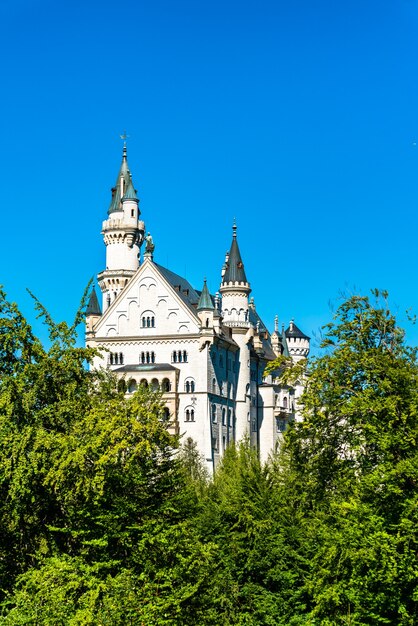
{"type": "Point", "coordinates": [354, 467]}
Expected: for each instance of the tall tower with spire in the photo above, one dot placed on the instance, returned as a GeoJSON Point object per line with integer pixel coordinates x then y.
{"type": "Point", "coordinates": [235, 290]}
{"type": "Point", "coordinates": [123, 234]}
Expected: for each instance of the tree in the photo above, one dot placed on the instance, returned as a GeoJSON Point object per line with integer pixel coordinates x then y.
{"type": "Point", "coordinates": [354, 465]}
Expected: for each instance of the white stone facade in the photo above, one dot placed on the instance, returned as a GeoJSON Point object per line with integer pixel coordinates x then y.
{"type": "Point", "coordinates": [206, 353]}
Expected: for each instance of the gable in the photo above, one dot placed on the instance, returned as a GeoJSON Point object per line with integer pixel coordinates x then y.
{"type": "Point", "coordinates": [148, 306]}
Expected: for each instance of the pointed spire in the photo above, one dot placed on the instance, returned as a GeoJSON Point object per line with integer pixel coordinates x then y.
{"type": "Point", "coordinates": [93, 307]}
{"type": "Point", "coordinates": [235, 272]}
{"type": "Point", "coordinates": [276, 324]}
{"type": "Point", "coordinates": [130, 193]}
{"type": "Point", "coordinates": [121, 185]}
{"type": "Point", "coordinates": [205, 301]}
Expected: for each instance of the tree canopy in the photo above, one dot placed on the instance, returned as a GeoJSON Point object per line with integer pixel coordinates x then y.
{"type": "Point", "coordinates": [107, 518]}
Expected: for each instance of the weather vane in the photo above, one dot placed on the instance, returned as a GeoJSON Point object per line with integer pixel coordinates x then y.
{"type": "Point", "coordinates": [124, 137]}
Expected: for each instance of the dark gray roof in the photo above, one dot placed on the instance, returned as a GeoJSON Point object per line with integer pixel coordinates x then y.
{"type": "Point", "coordinates": [295, 333]}
{"type": "Point", "coordinates": [93, 307]}
{"type": "Point", "coordinates": [148, 367]}
{"type": "Point", "coordinates": [181, 286]}
{"type": "Point", "coordinates": [235, 271]}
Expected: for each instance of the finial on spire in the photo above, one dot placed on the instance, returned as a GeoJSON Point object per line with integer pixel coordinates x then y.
{"type": "Point", "coordinates": [234, 229]}
{"type": "Point", "coordinates": [124, 137]}
{"type": "Point", "coordinates": [276, 323]}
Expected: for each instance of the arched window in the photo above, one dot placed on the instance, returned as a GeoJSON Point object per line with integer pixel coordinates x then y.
{"type": "Point", "coordinates": [192, 386]}
{"type": "Point", "coordinates": [223, 417]}
{"type": "Point", "coordinates": [148, 322]}
{"type": "Point", "coordinates": [229, 417]}
{"type": "Point", "coordinates": [285, 402]}
{"type": "Point", "coordinates": [213, 385]}
{"type": "Point", "coordinates": [166, 413]}
{"type": "Point", "coordinates": [166, 386]}
{"type": "Point", "coordinates": [184, 356]}
{"type": "Point", "coordinates": [132, 386]}
{"type": "Point", "coordinates": [147, 357]}
{"type": "Point", "coordinates": [214, 413]}
{"type": "Point", "coordinates": [115, 358]}
{"type": "Point", "coordinates": [154, 384]}
{"type": "Point", "coordinates": [144, 383]}
{"type": "Point", "coordinates": [111, 358]}
{"type": "Point", "coordinates": [152, 357]}
{"type": "Point", "coordinates": [144, 322]}
{"type": "Point", "coordinates": [187, 386]}
{"type": "Point", "coordinates": [207, 322]}
{"type": "Point", "coordinates": [152, 322]}
{"type": "Point", "coordinates": [179, 356]}
{"type": "Point", "coordinates": [174, 357]}
{"type": "Point", "coordinates": [192, 415]}
{"type": "Point", "coordinates": [187, 415]}
{"type": "Point", "coordinates": [121, 358]}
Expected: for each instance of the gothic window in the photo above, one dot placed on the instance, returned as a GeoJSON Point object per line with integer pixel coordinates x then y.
{"type": "Point", "coordinates": [229, 417]}
{"type": "Point", "coordinates": [214, 420]}
{"type": "Point", "coordinates": [223, 417]}
{"type": "Point", "coordinates": [214, 385]}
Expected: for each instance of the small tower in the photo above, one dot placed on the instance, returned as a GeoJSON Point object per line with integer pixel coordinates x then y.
{"type": "Point", "coordinates": [123, 234]}
{"type": "Point", "coordinates": [298, 343]}
{"type": "Point", "coordinates": [93, 313]}
{"type": "Point", "coordinates": [275, 338]}
{"type": "Point", "coordinates": [235, 288]}
{"type": "Point", "coordinates": [206, 313]}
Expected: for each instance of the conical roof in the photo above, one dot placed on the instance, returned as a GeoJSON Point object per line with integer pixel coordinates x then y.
{"type": "Point", "coordinates": [205, 301]}
{"type": "Point", "coordinates": [130, 193]}
{"type": "Point", "coordinates": [284, 344]}
{"type": "Point", "coordinates": [116, 190]}
{"type": "Point", "coordinates": [235, 272]}
{"type": "Point", "coordinates": [295, 332]}
{"type": "Point", "coordinates": [93, 307]}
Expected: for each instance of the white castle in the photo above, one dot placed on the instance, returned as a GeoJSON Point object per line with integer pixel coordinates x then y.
{"type": "Point", "coordinates": [207, 353]}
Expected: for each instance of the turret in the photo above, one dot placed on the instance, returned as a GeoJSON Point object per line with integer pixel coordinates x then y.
{"type": "Point", "coordinates": [123, 234]}
{"type": "Point", "coordinates": [206, 313]}
{"type": "Point", "coordinates": [298, 343]}
{"type": "Point", "coordinates": [93, 313]}
{"type": "Point", "coordinates": [234, 288]}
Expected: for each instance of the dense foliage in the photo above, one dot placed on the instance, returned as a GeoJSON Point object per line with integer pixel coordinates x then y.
{"type": "Point", "coordinates": [108, 519]}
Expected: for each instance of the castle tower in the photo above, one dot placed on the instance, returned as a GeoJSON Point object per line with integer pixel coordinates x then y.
{"type": "Point", "coordinates": [235, 290]}
{"type": "Point", "coordinates": [123, 234]}
{"type": "Point", "coordinates": [298, 343]}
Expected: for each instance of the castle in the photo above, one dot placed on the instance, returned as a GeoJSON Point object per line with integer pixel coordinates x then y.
{"type": "Point", "coordinates": [207, 353]}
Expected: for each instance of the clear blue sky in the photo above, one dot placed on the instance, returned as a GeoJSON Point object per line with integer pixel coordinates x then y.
{"type": "Point", "coordinates": [298, 118]}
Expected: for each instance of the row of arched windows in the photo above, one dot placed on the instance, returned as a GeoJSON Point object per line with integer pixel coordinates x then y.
{"type": "Point", "coordinates": [148, 321]}
{"type": "Point", "coordinates": [179, 356]}
{"type": "Point", "coordinates": [147, 357]}
{"type": "Point", "coordinates": [165, 384]}
{"type": "Point", "coordinates": [116, 358]}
